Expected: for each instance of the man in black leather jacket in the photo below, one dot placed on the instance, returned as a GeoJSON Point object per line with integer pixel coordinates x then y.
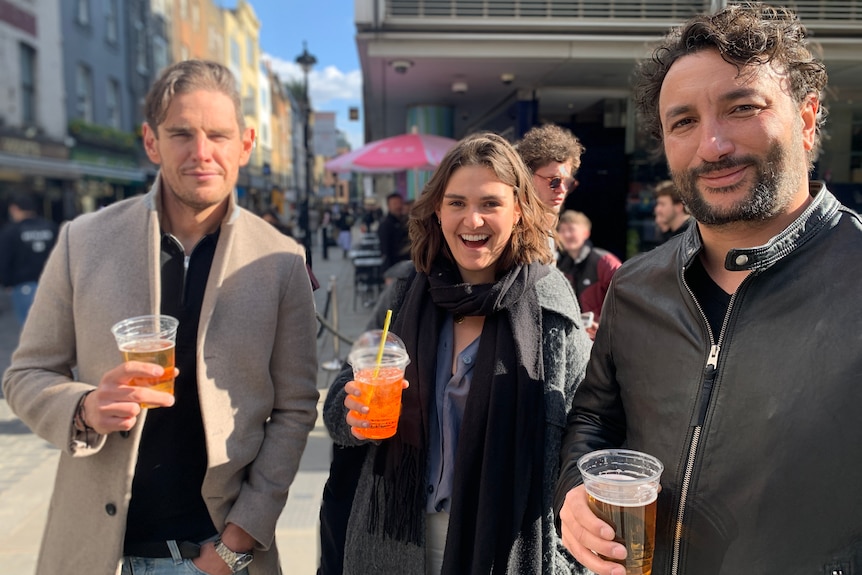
{"type": "Point", "coordinates": [732, 352]}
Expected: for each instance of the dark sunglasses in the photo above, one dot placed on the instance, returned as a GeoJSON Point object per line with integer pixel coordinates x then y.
{"type": "Point", "coordinates": [555, 182]}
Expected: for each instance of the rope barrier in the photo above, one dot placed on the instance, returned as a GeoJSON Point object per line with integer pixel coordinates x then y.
{"type": "Point", "coordinates": [328, 327]}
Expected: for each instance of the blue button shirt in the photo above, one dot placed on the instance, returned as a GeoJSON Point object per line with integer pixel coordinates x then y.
{"type": "Point", "coordinates": [451, 391]}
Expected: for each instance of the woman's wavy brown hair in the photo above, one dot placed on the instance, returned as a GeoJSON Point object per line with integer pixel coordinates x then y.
{"type": "Point", "coordinates": [529, 241]}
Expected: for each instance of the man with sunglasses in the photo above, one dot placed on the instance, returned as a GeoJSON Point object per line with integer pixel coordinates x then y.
{"type": "Point", "coordinates": [553, 155]}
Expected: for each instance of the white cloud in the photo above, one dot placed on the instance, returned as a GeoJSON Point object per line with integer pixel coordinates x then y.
{"type": "Point", "coordinates": [324, 85]}
{"type": "Point", "coordinates": [330, 89]}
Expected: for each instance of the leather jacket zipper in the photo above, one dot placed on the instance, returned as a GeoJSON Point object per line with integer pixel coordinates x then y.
{"type": "Point", "coordinates": [699, 416]}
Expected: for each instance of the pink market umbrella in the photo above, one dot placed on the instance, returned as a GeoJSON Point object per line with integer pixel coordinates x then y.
{"type": "Point", "coordinates": [395, 154]}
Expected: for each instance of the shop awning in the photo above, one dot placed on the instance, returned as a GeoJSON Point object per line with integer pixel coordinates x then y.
{"type": "Point", "coordinates": [112, 173]}
{"type": "Point", "coordinates": [45, 167]}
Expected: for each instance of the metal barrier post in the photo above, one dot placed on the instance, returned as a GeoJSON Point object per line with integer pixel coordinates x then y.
{"type": "Point", "coordinates": [335, 363]}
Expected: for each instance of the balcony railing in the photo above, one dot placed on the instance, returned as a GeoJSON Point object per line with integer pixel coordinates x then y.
{"type": "Point", "coordinates": [620, 9]}
{"type": "Point", "coordinates": [830, 13]}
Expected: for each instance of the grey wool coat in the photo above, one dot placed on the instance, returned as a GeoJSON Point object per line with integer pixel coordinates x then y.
{"type": "Point", "coordinates": [565, 350]}
{"type": "Point", "coordinates": [256, 364]}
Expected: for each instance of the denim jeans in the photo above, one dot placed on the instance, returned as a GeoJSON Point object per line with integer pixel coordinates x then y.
{"type": "Point", "coordinates": [22, 299]}
{"type": "Point", "coordinates": [175, 565]}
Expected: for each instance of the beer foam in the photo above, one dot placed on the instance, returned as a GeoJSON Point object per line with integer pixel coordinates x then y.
{"type": "Point", "coordinates": [652, 498]}
{"type": "Point", "coordinates": [620, 494]}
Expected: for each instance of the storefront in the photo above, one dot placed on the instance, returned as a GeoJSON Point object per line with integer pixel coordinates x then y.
{"type": "Point", "coordinates": [39, 167]}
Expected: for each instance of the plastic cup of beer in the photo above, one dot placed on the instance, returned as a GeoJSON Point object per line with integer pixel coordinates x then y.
{"type": "Point", "coordinates": [622, 490]}
{"type": "Point", "coordinates": [379, 385]}
{"type": "Point", "coordinates": [151, 339]}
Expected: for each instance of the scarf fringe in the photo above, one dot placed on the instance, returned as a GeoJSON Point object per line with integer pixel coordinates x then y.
{"type": "Point", "coordinates": [399, 498]}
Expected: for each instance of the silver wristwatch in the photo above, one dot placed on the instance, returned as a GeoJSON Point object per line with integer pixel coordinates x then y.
{"type": "Point", "coordinates": [236, 561]}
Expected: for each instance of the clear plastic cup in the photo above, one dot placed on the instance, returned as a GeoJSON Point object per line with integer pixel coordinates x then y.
{"type": "Point", "coordinates": [379, 386]}
{"type": "Point", "coordinates": [622, 488]}
{"type": "Point", "coordinates": [151, 339]}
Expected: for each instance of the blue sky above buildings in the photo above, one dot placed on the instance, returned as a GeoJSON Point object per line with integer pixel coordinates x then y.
{"type": "Point", "coordinates": [327, 26]}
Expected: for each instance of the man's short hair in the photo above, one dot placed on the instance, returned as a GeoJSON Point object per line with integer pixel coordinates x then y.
{"type": "Point", "coordinates": [394, 195]}
{"type": "Point", "coordinates": [24, 202]}
{"type": "Point", "coordinates": [668, 188]}
{"type": "Point", "coordinates": [575, 217]}
{"type": "Point", "coordinates": [190, 76]}
{"type": "Point", "coordinates": [542, 145]}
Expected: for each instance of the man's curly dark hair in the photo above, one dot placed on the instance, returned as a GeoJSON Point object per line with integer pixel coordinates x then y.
{"type": "Point", "coordinates": [542, 145]}
{"type": "Point", "coordinates": [748, 34]}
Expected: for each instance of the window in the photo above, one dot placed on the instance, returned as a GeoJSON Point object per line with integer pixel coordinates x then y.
{"type": "Point", "coordinates": [83, 12]}
{"type": "Point", "coordinates": [141, 45]}
{"type": "Point", "coordinates": [84, 93]}
{"type": "Point", "coordinates": [249, 103]}
{"type": "Point", "coordinates": [249, 51]}
{"type": "Point", "coordinates": [856, 148]}
{"type": "Point", "coordinates": [214, 43]}
{"type": "Point", "coordinates": [28, 84]}
{"type": "Point", "coordinates": [196, 17]}
{"type": "Point", "coordinates": [184, 9]}
{"type": "Point", "coordinates": [111, 21]}
{"type": "Point", "coordinates": [235, 59]}
{"type": "Point", "coordinates": [264, 101]}
{"type": "Point", "coordinates": [184, 52]}
{"type": "Point", "coordinates": [113, 103]}
{"type": "Point", "coordinates": [160, 53]}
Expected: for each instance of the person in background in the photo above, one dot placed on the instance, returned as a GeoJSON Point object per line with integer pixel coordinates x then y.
{"type": "Point", "coordinates": [326, 232]}
{"type": "Point", "coordinates": [25, 244]}
{"type": "Point", "coordinates": [344, 222]}
{"type": "Point", "coordinates": [392, 231]}
{"type": "Point", "coordinates": [720, 352]}
{"type": "Point", "coordinates": [553, 156]}
{"type": "Point", "coordinates": [273, 218]}
{"type": "Point", "coordinates": [497, 350]}
{"type": "Point", "coordinates": [197, 485]}
{"type": "Point", "coordinates": [671, 215]}
{"type": "Point", "coordinates": [589, 269]}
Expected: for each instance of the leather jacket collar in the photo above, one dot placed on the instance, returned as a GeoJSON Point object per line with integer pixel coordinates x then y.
{"type": "Point", "coordinates": [807, 225]}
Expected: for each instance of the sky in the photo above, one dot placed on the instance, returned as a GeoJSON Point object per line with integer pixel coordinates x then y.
{"type": "Point", "coordinates": [335, 83]}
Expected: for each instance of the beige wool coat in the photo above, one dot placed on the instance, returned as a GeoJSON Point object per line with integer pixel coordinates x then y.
{"type": "Point", "coordinates": [256, 362]}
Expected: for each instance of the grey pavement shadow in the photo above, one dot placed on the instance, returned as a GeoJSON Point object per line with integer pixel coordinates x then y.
{"type": "Point", "coordinates": [14, 427]}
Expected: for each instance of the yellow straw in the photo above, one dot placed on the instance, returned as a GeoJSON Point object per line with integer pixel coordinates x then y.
{"type": "Point", "coordinates": [382, 342]}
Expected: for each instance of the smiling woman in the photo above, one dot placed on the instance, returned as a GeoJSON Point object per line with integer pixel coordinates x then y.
{"type": "Point", "coordinates": [478, 215]}
{"type": "Point", "coordinates": [493, 333]}
{"type": "Point", "coordinates": [504, 184]}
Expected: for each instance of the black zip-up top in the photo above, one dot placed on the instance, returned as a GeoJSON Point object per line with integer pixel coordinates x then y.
{"type": "Point", "coordinates": [759, 426]}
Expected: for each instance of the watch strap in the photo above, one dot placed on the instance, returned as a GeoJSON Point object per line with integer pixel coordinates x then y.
{"type": "Point", "coordinates": [236, 561]}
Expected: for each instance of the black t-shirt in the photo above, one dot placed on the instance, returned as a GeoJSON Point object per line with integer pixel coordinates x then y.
{"type": "Point", "coordinates": [24, 249]}
{"type": "Point", "coordinates": [712, 298]}
{"type": "Point", "coordinates": [166, 491]}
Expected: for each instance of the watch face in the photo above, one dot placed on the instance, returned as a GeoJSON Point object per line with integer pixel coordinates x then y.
{"type": "Point", "coordinates": [242, 562]}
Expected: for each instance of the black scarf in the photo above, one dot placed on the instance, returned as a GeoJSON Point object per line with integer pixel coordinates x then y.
{"type": "Point", "coordinates": [499, 464]}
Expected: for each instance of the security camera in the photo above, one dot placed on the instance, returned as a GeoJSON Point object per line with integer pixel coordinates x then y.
{"type": "Point", "coordinates": [507, 78]}
{"type": "Point", "coordinates": [401, 66]}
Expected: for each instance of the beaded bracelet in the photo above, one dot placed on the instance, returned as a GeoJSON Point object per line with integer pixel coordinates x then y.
{"type": "Point", "coordinates": [80, 419]}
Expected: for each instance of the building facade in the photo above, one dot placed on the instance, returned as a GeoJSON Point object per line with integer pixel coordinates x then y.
{"type": "Point", "coordinates": [452, 67]}
{"type": "Point", "coordinates": [242, 56]}
{"type": "Point", "coordinates": [34, 150]}
{"type": "Point", "coordinates": [99, 99]}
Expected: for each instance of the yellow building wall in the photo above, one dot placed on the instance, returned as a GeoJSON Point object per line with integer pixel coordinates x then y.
{"type": "Point", "coordinates": [242, 56]}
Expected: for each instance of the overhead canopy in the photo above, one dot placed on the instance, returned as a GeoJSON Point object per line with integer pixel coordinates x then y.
{"type": "Point", "coordinates": [395, 154]}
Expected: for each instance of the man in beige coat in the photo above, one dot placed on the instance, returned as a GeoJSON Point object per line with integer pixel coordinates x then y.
{"type": "Point", "coordinates": [196, 485]}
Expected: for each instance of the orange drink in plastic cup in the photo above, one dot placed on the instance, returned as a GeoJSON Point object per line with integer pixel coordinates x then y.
{"type": "Point", "coordinates": [379, 385]}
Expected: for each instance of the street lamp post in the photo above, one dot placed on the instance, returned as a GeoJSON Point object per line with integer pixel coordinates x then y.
{"type": "Point", "coordinates": [306, 61]}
